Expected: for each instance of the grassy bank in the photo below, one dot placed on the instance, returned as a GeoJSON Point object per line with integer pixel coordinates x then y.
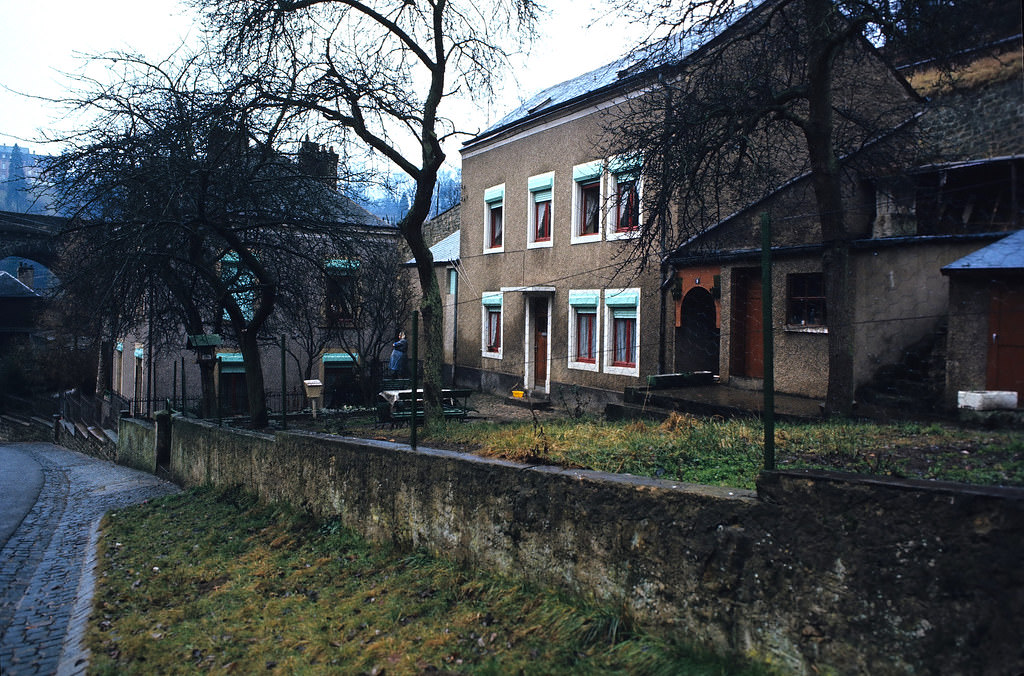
{"type": "Point", "coordinates": [730, 452]}
{"type": "Point", "coordinates": [212, 581]}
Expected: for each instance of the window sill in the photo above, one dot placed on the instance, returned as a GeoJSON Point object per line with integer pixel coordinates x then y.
{"type": "Point", "coordinates": [494, 250]}
{"type": "Point", "coordinates": [623, 234]}
{"type": "Point", "coordinates": [796, 328]}
{"type": "Point", "coordinates": [541, 244]}
{"type": "Point", "coordinates": [583, 365]}
{"type": "Point", "coordinates": [583, 239]}
{"type": "Point", "coordinates": [491, 355]}
{"type": "Point", "coordinates": [622, 371]}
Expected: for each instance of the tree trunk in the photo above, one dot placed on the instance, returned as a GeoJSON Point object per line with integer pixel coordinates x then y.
{"type": "Point", "coordinates": [208, 389]}
{"type": "Point", "coordinates": [254, 379]}
{"type": "Point", "coordinates": [433, 346]}
{"type": "Point", "coordinates": [826, 178]}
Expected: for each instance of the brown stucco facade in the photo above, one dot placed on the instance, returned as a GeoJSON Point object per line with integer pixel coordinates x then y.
{"type": "Point", "coordinates": [538, 284]}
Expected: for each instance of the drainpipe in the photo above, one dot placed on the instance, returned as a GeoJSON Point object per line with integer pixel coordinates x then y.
{"type": "Point", "coordinates": [455, 323]}
{"type": "Point", "coordinates": [667, 278]}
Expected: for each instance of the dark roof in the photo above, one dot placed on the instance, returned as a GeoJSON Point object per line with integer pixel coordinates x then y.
{"type": "Point", "coordinates": [639, 62]}
{"type": "Point", "coordinates": [10, 287]}
{"type": "Point", "coordinates": [347, 211]}
{"type": "Point", "coordinates": [1005, 255]}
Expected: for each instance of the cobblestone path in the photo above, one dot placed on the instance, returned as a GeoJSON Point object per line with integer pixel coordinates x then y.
{"type": "Point", "coordinates": [47, 564]}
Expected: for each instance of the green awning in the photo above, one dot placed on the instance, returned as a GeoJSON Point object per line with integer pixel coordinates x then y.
{"type": "Point", "coordinates": [339, 358]}
{"type": "Point", "coordinates": [491, 298]}
{"type": "Point", "coordinates": [231, 362]}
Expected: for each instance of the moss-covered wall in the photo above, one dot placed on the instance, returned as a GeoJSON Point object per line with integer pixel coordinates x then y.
{"type": "Point", "coordinates": [136, 444]}
{"type": "Point", "coordinates": [817, 572]}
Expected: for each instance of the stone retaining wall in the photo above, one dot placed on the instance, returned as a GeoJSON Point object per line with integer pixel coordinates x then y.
{"type": "Point", "coordinates": [816, 572]}
{"type": "Point", "coordinates": [136, 444]}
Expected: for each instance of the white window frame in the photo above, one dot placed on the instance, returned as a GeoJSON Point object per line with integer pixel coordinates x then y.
{"type": "Point", "coordinates": [488, 301]}
{"type": "Point", "coordinates": [584, 174]}
{"type": "Point", "coordinates": [622, 166]}
{"type": "Point", "coordinates": [495, 196]}
{"type": "Point", "coordinates": [588, 300]}
{"type": "Point", "coordinates": [540, 184]}
{"type": "Point", "coordinates": [612, 302]}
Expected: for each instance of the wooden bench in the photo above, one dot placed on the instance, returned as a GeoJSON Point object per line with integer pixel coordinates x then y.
{"type": "Point", "coordinates": [396, 384]}
{"type": "Point", "coordinates": [455, 401]}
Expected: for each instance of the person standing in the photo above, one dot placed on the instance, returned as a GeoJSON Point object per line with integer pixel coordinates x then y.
{"type": "Point", "coordinates": [399, 349]}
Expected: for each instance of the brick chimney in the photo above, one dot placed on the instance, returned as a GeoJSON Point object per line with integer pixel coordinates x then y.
{"type": "Point", "coordinates": [27, 275]}
{"type": "Point", "coordinates": [319, 162]}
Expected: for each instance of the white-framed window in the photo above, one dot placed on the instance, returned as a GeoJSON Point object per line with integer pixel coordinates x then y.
{"type": "Point", "coordinates": [540, 214]}
{"type": "Point", "coordinates": [586, 202]}
{"type": "Point", "coordinates": [491, 324]}
{"type": "Point", "coordinates": [494, 219]}
{"type": "Point", "coordinates": [584, 329]}
{"type": "Point", "coordinates": [624, 204]}
{"type": "Point", "coordinates": [622, 339]}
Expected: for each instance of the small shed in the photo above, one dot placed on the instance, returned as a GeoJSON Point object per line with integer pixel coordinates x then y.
{"type": "Point", "coordinates": [985, 347]}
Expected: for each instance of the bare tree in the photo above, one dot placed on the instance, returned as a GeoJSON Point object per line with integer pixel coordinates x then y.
{"type": "Point", "coordinates": [744, 96]}
{"type": "Point", "coordinates": [377, 73]}
{"type": "Point", "coordinates": [356, 300]}
{"type": "Point", "coordinates": [183, 202]}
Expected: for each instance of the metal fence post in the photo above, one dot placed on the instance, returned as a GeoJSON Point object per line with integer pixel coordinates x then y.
{"type": "Point", "coordinates": [769, 341]}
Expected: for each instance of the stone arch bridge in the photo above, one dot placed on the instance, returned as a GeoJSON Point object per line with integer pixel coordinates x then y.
{"type": "Point", "coordinates": [29, 236]}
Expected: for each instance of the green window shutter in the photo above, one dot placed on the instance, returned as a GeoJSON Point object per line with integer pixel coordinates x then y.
{"type": "Point", "coordinates": [543, 182]}
{"type": "Point", "coordinates": [588, 171]}
{"type": "Point", "coordinates": [622, 298]}
{"type": "Point", "coordinates": [342, 265]}
{"type": "Point", "coordinates": [583, 298]}
{"type": "Point", "coordinates": [542, 196]}
{"type": "Point", "coordinates": [495, 194]}
{"type": "Point", "coordinates": [624, 313]}
{"type": "Point", "coordinates": [491, 299]}
{"type": "Point", "coordinates": [625, 168]}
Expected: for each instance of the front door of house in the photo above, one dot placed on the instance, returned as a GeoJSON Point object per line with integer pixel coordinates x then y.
{"type": "Point", "coordinates": [747, 341]}
{"type": "Point", "coordinates": [539, 321]}
{"type": "Point", "coordinates": [1006, 340]}
{"type": "Point", "coordinates": [697, 336]}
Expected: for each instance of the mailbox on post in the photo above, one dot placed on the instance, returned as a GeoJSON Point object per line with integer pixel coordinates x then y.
{"type": "Point", "coordinates": [314, 390]}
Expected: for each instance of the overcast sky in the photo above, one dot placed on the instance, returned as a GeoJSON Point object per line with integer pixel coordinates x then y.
{"type": "Point", "coordinates": [41, 39]}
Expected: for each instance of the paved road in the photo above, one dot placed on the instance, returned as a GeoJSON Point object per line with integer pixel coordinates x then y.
{"type": "Point", "coordinates": [51, 501]}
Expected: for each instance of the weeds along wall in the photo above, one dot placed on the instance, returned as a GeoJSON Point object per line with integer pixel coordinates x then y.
{"type": "Point", "coordinates": [815, 572]}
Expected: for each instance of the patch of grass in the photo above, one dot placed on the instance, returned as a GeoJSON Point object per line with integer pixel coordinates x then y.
{"type": "Point", "coordinates": [210, 580]}
{"type": "Point", "coordinates": [713, 451]}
